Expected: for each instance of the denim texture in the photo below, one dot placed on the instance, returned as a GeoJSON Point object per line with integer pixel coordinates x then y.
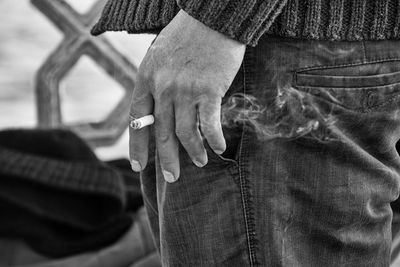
{"type": "Point", "coordinates": [317, 191]}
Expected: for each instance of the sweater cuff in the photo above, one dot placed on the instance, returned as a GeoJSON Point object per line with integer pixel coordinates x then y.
{"type": "Point", "coordinates": [243, 20]}
{"type": "Point", "coordinates": [135, 16]}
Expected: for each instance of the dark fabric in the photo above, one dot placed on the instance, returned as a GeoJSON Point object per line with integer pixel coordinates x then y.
{"type": "Point", "coordinates": [57, 195]}
{"type": "Point", "coordinates": [134, 248]}
{"type": "Point", "coordinates": [246, 21]}
{"type": "Point", "coordinates": [132, 183]}
{"type": "Point", "coordinates": [57, 239]}
{"type": "Point", "coordinates": [57, 158]}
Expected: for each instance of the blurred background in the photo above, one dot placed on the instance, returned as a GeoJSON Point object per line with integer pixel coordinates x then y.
{"type": "Point", "coordinates": [87, 92]}
{"type": "Point", "coordinates": [74, 192]}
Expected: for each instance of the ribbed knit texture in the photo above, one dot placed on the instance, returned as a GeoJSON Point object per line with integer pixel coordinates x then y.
{"type": "Point", "coordinates": [57, 159]}
{"type": "Point", "coordinates": [247, 20]}
{"type": "Point", "coordinates": [136, 16]}
{"type": "Point", "coordinates": [80, 177]}
{"type": "Point", "coordinates": [243, 20]}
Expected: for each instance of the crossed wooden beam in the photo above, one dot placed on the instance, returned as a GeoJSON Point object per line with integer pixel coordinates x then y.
{"type": "Point", "coordinates": [76, 43]}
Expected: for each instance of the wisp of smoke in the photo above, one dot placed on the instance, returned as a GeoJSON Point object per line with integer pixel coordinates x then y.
{"type": "Point", "coordinates": [293, 114]}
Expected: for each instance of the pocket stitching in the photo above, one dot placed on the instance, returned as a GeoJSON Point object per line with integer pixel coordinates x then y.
{"type": "Point", "coordinates": [300, 71]}
{"type": "Point", "coordinates": [345, 65]}
{"type": "Point", "coordinates": [393, 75]}
{"type": "Point", "coordinates": [359, 110]}
{"type": "Point", "coordinates": [348, 88]}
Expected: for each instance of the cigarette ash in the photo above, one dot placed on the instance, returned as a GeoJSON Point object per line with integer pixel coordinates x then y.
{"type": "Point", "coordinates": [291, 115]}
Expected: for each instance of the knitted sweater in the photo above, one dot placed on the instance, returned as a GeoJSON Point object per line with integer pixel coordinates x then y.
{"type": "Point", "coordinates": [247, 20]}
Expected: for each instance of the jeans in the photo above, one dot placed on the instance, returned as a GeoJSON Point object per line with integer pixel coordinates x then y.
{"type": "Point", "coordinates": [310, 169]}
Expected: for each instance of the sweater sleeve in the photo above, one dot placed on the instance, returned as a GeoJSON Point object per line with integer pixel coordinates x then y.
{"type": "Point", "coordinates": [242, 20]}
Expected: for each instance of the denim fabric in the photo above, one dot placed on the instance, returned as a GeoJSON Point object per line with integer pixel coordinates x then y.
{"type": "Point", "coordinates": [311, 184]}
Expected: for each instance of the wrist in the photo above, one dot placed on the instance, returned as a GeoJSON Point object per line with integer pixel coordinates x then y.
{"type": "Point", "coordinates": [190, 28]}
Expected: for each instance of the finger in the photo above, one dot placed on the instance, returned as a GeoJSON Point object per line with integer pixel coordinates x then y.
{"type": "Point", "coordinates": [187, 131]}
{"type": "Point", "coordinates": [210, 123]}
{"type": "Point", "coordinates": [152, 260]}
{"type": "Point", "coordinates": [166, 140]}
{"type": "Point", "coordinates": [142, 105]}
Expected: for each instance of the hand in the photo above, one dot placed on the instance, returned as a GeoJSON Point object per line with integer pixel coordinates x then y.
{"type": "Point", "coordinates": [182, 80]}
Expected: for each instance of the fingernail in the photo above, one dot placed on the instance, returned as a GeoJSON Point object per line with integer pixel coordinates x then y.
{"type": "Point", "coordinates": [219, 152]}
{"type": "Point", "coordinates": [169, 177]}
{"type": "Point", "coordinates": [136, 166]}
{"type": "Point", "coordinates": [198, 163]}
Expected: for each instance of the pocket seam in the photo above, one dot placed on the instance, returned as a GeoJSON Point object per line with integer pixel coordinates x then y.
{"type": "Point", "coordinates": [322, 67]}
{"type": "Point", "coordinates": [392, 78]}
{"type": "Point", "coordinates": [347, 88]}
{"type": "Point", "coordinates": [359, 110]}
{"type": "Point", "coordinates": [303, 88]}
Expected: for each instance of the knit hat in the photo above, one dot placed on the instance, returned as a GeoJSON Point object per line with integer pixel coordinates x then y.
{"type": "Point", "coordinates": [57, 195]}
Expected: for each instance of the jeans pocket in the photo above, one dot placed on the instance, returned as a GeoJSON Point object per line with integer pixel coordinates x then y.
{"type": "Point", "coordinates": [233, 137]}
{"type": "Point", "coordinates": [362, 88]}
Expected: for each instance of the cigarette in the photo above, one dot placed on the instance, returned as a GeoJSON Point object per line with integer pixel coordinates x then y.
{"type": "Point", "coordinates": [139, 123]}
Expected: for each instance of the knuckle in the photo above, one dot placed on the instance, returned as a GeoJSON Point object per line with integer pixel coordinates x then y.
{"type": "Point", "coordinates": [158, 115]}
{"type": "Point", "coordinates": [163, 94]}
{"type": "Point", "coordinates": [163, 136]}
{"type": "Point", "coordinates": [184, 135]}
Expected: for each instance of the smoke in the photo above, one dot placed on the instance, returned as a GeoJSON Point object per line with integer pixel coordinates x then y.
{"type": "Point", "coordinates": [292, 114]}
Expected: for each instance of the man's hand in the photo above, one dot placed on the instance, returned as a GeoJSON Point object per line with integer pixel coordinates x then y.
{"type": "Point", "coordinates": [182, 80]}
